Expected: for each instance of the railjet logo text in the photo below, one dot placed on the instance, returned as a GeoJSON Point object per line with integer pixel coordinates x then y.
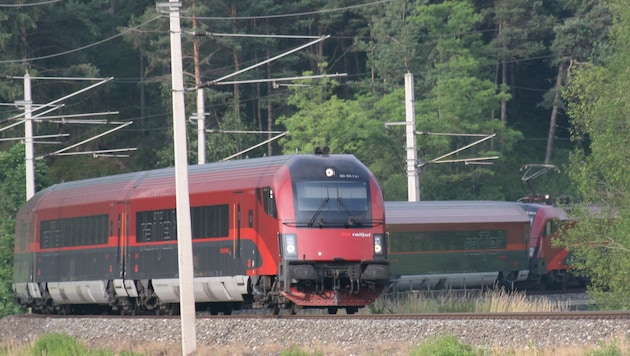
{"type": "Point", "coordinates": [361, 234]}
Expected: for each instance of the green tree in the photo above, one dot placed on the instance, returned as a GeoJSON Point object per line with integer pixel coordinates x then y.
{"type": "Point", "coordinates": [346, 126]}
{"type": "Point", "coordinates": [322, 119]}
{"type": "Point", "coordinates": [576, 39]}
{"type": "Point", "coordinates": [394, 45]}
{"type": "Point", "coordinates": [599, 106]}
{"type": "Point", "coordinates": [457, 96]}
{"type": "Point", "coordinates": [520, 29]}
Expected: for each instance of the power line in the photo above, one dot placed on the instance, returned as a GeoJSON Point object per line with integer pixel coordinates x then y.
{"type": "Point", "coordinates": [80, 48]}
{"type": "Point", "coordinates": [32, 4]}
{"type": "Point", "coordinates": [286, 15]}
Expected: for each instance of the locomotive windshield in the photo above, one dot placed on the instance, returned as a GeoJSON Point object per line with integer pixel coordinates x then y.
{"type": "Point", "coordinates": [332, 203]}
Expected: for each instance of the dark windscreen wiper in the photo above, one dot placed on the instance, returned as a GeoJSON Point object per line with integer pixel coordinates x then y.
{"type": "Point", "coordinates": [352, 220]}
{"type": "Point", "coordinates": [317, 212]}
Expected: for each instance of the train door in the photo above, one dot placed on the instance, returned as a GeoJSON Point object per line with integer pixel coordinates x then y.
{"type": "Point", "coordinates": [123, 287]}
{"type": "Point", "coordinates": [245, 226]}
{"type": "Point", "coordinates": [236, 224]}
{"type": "Point", "coordinates": [264, 253]}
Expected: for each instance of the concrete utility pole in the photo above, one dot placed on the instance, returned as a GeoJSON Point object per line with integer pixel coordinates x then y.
{"type": "Point", "coordinates": [184, 230]}
{"type": "Point", "coordinates": [413, 182]}
{"type": "Point", "coordinates": [28, 138]}
{"type": "Point", "coordinates": [201, 127]}
{"type": "Point", "coordinates": [200, 115]}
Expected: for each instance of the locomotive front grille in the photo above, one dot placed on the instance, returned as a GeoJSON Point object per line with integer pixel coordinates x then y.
{"type": "Point", "coordinates": [314, 271]}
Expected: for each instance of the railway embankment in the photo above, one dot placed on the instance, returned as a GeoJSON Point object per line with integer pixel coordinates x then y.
{"type": "Point", "coordinates": [330, 335]}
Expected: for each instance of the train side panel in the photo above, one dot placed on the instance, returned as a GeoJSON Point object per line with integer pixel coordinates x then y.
{"type": "Point", "coordinates": [226, 240]}
{"type": "Point", "coordinates": [456, 244]}
{"type": "Point", "coordinates": [75, 245]}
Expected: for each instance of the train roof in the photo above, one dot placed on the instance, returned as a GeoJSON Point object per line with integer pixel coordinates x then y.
{"type": "Point", "coordinates": [229, 175]}
{"type": "Point", "coordinates": [453, 211]}
{"type": "Point", "coordinates": [545, 211]}
{"type": "Point", "coordinates": [194, 170]}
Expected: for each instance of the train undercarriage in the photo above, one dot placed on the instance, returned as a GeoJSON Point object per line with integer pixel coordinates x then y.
{"type": "Point", "coordinates": [331, 287]}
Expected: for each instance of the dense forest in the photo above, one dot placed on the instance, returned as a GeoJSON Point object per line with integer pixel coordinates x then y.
{"type": "Point", "coordinates": [480, 67]}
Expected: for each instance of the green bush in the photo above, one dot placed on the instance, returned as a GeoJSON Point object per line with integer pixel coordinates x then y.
{"type": "Point", "coordinates": [606, 350]}
{"type": "Point", "coordinates": [443, 346]}
{"type": "Point", "coordinates": [62, 345]}
{"type": "Point", "coordinates": [296, 351]}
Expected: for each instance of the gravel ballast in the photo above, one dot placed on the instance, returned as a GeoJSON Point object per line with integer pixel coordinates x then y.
{"type": "Point", "coordinates": [230, 336]}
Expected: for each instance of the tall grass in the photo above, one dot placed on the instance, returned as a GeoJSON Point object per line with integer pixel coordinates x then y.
{"type": "Point", "coordinates": [57, 345]}
{"type": "Point", "coordinates": [463, 301]}
{"type": "Point", "coordinates": [446, 345]}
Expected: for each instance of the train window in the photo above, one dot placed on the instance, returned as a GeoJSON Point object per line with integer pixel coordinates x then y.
{"type": "Point", "coordinates": [161, 225]}
{"type": "Point", "coordinates": [78, 231]}
{"type": "Point", "coordinates": [156, 225]}
{"type": "Point", "coordinates": [448, 240]}
{"type": "Point", "coordinates": [552, 226]}
{"type": "Point", "coordinates": [332, 203]}
{"type": "Point", "coordinates": [331, 196]}
{"type": "Point", "coordinates": [210, 221]}
{"type": "Point", "coordinates": [268, 201]}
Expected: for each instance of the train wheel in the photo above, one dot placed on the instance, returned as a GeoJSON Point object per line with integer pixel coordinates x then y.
{"type": "Point", "coordinates": [332, 310]}
{"type": "Point", "coordinates": [64, 310]}
{"type": "Point", "coordinates": [213, 309]}
{"type": "Point", "coordinates": [351, 310]}
{"type": "Point", "coordinates": [292, 309]}
{"type": "Point", "coordinates": [167, 309]}
{"type": "Point", "coordinates": [128, 311]}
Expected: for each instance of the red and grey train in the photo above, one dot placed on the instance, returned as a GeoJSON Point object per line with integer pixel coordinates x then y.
{"type": "Point", "coordinates": [550, 265]}
{"type": "Point", "coordinates": [473, 244]}
{"type": "Point", "coordinates": [456, 244]}
{"type": "Point", "coordinates": [274, 232]}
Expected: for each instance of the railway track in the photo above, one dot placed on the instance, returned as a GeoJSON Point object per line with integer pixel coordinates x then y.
{"type": "Point", "coordinates": [570, 300]}
{"type": "Point", "coordinates": [569, 315]}
{"type": "Point", "coordinates": [555, 291]}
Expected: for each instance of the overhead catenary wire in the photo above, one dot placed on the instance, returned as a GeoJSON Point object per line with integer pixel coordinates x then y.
{"type": "Point", "coordinates": [30, 4]}
{"type": "Point", "coordinates": [23, 60]}
{"type": "Point", "coordinates": [213, 34]}
{"type": "Point", "coordinates": [308, 13]}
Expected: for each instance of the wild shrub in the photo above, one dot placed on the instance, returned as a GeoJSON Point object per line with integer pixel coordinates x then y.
{"type": "Point", "coordinates": [443, 346]}
{"type": "Point", "coordinates": [63, 345]}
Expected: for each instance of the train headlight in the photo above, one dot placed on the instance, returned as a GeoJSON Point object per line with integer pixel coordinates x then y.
{"type": "Point", "coordinates": [289, 245]}
{"type": "Point", "coordinates": [379, 245]}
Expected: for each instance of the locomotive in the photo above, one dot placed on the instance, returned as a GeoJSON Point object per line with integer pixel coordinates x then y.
{"type": "Point", "coordinates": [457, 244]}
{"type": "Point", "coordinates": [279, 232]}
{"type": "Point", "coordinates": [550, 265]}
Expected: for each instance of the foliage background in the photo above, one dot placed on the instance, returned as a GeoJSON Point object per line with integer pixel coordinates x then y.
{"type": "Point", "coordinates": [480, 67]}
